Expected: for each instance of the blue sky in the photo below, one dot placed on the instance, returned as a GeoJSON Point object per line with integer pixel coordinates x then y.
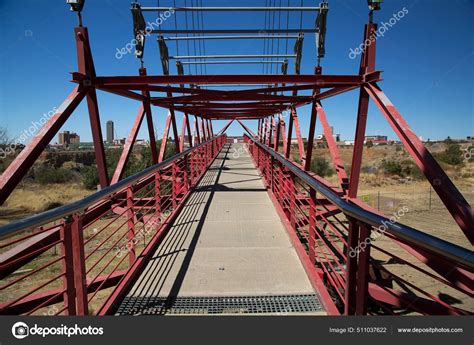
{"type": "Point", "coordinates": [427, 60]}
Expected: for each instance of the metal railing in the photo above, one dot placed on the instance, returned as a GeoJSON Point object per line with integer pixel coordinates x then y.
{"type": "Point", "coordinates": [67, 261]}
{"type": "Point", "coordinates": [369, 263]}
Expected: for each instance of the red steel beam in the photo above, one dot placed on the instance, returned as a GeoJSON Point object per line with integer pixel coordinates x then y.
{"type": "Point", "coordinates": [289, 137]}
{"type": "Point", "coordinates": [19, 167]}
{"type": "Point", "coordinates": [369, 77]}
{"type": "Point", "coordinates": [149, 119]}
{"type": "Point", "coordinates": [309, 146]}
{"type": "Point", "coordinates": [47, 298]}
{"type": "Point", "coordinates": [333, 150]}
{"type": "Point", "coordinates": [283, 132]}
{"type": "Point", "coordinates": [164, 140]}
{"type": "Point", "coordinates": [127, 148]}
{"type": "Point", "coordinates": [86, 66]}
{"type": "Point", "coordinates": [225, 127]}
{"type": "Point", "coordinates": [196, 128]}
{"type": "Point", "coordinates": [203, 99]}
{"type": "Point", "coordinates": [183, 133]}
{"type": "Point", "coordinates": [444, 187]}
{"type": "Point", "coordinates": [367, 64]}
{"type": "Point", "coordinates": [323, 81]}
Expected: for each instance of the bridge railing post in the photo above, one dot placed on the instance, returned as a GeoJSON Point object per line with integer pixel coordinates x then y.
{"type": "Point", "coordinates": [174, 185]}
{"type": "Point", "coordinates": [131, 226]}
{"type": "Point", "coordinates": [187, 174]}
{"type": "Point", "coordinates": [363, 270]}
{"type": "Point", "coordinates": [80, 278]}
{"type": "Point", "coordinates": [67, 268]}
{"type": "Point", "coordinates": [357, 268]}
{"type": "Point", "coordinates": [312, 225]}
{"type": "Point", "coordinates": [158, 193]}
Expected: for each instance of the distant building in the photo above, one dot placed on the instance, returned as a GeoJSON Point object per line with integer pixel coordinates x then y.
{"type": "Point", "coordinates": [295, 140]}
{"type": "Point", "coordinates": [119, 141]}
{"type": "Point", "coordinates": [142, 142]}
{"type": "Point", "coordinates": [110, 131]}
{"type": "Point", "coordinates": [376, 139]}
{"type": "Point", "coordinates": [65, 138]}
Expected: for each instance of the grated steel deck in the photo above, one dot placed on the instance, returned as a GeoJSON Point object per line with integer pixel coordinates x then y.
{"type": "Point", "coordinates": [279, 305]}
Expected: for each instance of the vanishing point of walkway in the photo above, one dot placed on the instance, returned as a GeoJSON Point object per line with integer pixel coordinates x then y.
{"type": "Point", "coordinates": [226, 253]}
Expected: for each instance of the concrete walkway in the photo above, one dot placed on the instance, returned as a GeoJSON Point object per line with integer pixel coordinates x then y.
{"type": "Point", "coordinates": [227, 250]}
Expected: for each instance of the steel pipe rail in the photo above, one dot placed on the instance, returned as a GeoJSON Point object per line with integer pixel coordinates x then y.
{"type": "Point", "coordinates": [179, 57]}
{"type": "Point", "coordinates": [236, 31]}
{"type": "Point", "coordinates": [239, 37]}
{"type": "Point", "coordinates": [81, 205]}
{"type": "Point", "coordinates": [236, 62]}
{"type": "Point", "coordinates": [462, 256]}
{"type": "Point", "coordinates": [230, 9]}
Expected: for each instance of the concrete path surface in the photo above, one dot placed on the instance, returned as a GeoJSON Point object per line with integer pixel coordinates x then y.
{"type": "Point", "coordinates": [226, 253]}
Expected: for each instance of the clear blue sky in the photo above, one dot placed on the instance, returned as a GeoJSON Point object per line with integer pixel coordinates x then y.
{"type": "Point", "coordinates": [427, 59]}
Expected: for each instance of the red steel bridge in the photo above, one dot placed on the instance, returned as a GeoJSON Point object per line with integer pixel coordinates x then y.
{"type": "Point", "coordinates": [231, 225]}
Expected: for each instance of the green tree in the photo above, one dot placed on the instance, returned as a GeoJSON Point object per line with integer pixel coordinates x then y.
{"type": "Point", "coordinates": [321, 167]}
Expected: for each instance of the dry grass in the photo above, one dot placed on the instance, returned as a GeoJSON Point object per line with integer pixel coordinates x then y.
{"type": "Point", "coordinates": [32, 198]}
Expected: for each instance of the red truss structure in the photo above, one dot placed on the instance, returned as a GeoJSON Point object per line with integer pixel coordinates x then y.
{"type": "Point", "coordinates": [342, 280]}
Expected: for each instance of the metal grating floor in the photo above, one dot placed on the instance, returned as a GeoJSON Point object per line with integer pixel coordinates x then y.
{"type": "Point", "coordinates": [279, 305]}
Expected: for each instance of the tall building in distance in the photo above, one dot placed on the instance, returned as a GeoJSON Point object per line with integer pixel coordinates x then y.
{"type": "Point", "coordinates": [110, 131]}
{"type": "Point", "coordinates": [65, 138]}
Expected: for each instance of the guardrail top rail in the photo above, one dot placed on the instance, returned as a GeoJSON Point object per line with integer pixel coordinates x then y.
{"type": "Point", "coordinates": [81, 205]}
{"type": "Point", "coordinates": [462, 256]}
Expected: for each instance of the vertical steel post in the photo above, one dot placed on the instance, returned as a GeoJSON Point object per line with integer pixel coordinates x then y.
{"type": "Point", "coordinates": [277, 136]}
{"type": "Point", "coordinates": [131, 226]}
{"type": "Point", "coordinates": [86, 66]}
{"type": "Point", "coordinates": [80, 278]}
{"type": "Point", "coordinates": [289, 137]}
{"type": "Point", "coordinates": [282, 129]}
{"type": "Point", "coordinates": [312, 225]}
{"type": "Point", "coordinates": [67, 268]}
{"type": "Point", "coordinates": [351, 268]}
{"type": "Point", "coordinates": [362, 297]}
{"type": "Point", "coordinates": [367, 64]}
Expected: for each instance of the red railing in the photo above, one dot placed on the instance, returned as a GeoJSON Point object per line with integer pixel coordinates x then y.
{"type": "Point", "coordinates": [71, 260]}
{"type": "Point", "coordinates": [368, 263]}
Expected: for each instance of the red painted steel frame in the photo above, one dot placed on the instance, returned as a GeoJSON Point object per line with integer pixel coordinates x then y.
{"type": "Point", "coordinates": [306, 213]}
{"type": "Point", "coordinates": [127, 148]}
{"type": "Point", "coordinates": [444, 187]}
{"type": "Point", "coordinates": [367, 64]}
{"type": "Point", "coordinates": [86, 66]}
{"type": "Point", "coordinates": [19, 167]}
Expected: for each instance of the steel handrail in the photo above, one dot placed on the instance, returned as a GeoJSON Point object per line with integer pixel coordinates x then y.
{"type": "Point", "coordinates": [90, 200]}
{"type": "Point", "coordinates": [462, 256]}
